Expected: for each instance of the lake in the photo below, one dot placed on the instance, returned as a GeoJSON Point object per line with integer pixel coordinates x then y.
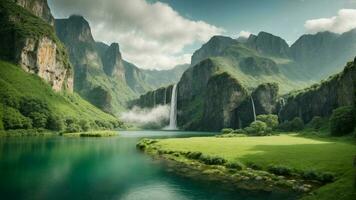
{"type": "Point", "coordinates": [99, 168]}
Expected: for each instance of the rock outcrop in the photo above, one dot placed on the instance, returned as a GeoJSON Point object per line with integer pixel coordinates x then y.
{"type": "Point", "coordinates": [161, 96]}
{"type": "Point", "coordinates": [31, 43]}
{"type": "Point", "coordinates": [268, 44]}
{"type": "Point", "coordinates": [224, 95]}
{"type": "Point", "coordinates": [214, 47]}
{"type": "Point", "coordinates": [39, 8]}
{"type": "Point", "coordinates": [322, 99]}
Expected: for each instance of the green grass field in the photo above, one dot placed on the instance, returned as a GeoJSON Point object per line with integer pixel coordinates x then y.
{"type": "Point", "coordinates": [300, 153]}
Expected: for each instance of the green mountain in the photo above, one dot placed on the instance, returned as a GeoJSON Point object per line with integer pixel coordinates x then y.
{"type": "Point", "coordinates": [36, 77]}
{"type": "Point", "coordinates": [101, 75]}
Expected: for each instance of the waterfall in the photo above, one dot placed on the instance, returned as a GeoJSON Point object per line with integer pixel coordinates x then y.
{"type": "Point", "coordinates": [154, 98]}
{"type": "Point", "coordinates": [282, 104]}
{"type": "Point", "coordinates": [253, 109]}
{"type": "Point", "coordinates": [173, 111]}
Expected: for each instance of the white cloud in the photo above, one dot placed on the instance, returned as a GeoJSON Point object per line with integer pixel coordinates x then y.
{"type": "Point", "coordinates": [244, 34]}
{"type": "Point", "coordinates": [152, 35]}
{"type": "Point", "coordinates": [343, 22]}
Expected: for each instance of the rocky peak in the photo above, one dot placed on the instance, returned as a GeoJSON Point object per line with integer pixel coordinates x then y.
{"type": "Point", "coordinates": [74, 29]}
{"type": "Point", "coordinates": [214, 47]}
{"type": "Point", "coordinates": [39, 8]}
{"type": "Point", "coordinates": [268, 44]}
{"type": "Point", "coordinates": [112, 61]}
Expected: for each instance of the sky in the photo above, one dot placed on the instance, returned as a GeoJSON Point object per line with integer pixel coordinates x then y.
{"type": "Point", "coordinates": [159, 34]}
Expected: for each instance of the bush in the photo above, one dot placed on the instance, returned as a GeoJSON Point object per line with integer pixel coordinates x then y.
{"type": "Point", "coordinates": [212, 160]}
{"type": "Point", "coordinates": [258, 128]}
{"type": "Point", "coordinates": [234, 165]}
{"type": "Point", "coordinates": [296, 124]}
{"type": "Point", "coordinates": [29, 105]}
{"type": "Point", "coordinates": [270, 120]}
{"type": "Point", "coordinates": [193, 155]}
{"type": "Point", "coordinates": [324, 177]}
{"type": "Point", "coordinates": [317, 123]}
{"type": "Point", "coordinates": [84, 124]}
{"type": "Point", "coordinates": [280, 170]}
{"type": "Point", "coordinates": [73, 128]}
{"type": "Point", "coordinates": [253, 166]}
{"type": "Point", "coordinates": [239, 131]}
{"type": "Point", "coordinates": [342, 121]}
{"type": "Point", "coordinates": [226, 130]}
{"type": "Point", "coordinates": [55, 123]}
{"type": "Point", "coordinates": [39, 120]}
{"type": "Point", "coordinates": [13, 119]}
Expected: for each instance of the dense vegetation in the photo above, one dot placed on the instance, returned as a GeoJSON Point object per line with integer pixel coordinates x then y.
{"type": "Point", "coordinates": [29, 103]}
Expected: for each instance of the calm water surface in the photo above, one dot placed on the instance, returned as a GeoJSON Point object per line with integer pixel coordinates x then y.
{"type": "Point", "coordinates": [99, 168]}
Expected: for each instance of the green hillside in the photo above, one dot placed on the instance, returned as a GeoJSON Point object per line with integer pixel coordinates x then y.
{"type": "Point", "coordinates": [18, 86]}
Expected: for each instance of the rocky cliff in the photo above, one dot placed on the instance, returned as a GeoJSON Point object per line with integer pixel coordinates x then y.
{"type": "Point", "coordinates": [321, 99]}
{"type": "Point", "coordinates": [39, 8]}
{"type": "Point", "coordinates": [161, 96]}
{"type": "Point", "coordinates": [101, 75]}
{"type": "Point", "coordinates": [31, 42]}
{"type": "Point", "coordinates": [268, 44]}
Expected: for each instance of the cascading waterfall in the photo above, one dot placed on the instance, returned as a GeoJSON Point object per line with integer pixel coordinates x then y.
{"type": "Point", "coordinates": [253, 109]}
{"type": "Point", "coordinates": [282, 104]}
{"type": "Point", "coordinates": [173, 111]}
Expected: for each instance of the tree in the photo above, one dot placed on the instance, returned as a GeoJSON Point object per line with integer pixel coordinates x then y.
{"type": "Point", "coordinates": [270, 120]}
{"type": "Point", "coordinates": [342, 121]}
{"type": "Point", "coordinates": [13, 119]}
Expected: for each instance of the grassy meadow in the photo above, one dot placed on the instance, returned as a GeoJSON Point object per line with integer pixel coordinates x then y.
{"type": "Point", "coordinates": [292, 151]}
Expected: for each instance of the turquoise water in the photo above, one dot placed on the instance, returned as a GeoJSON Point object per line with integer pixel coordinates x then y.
{"type": "Point", "coordinates": [99, 168]}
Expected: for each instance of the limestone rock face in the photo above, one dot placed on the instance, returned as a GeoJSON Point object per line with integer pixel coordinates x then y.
{"type": "Point", "coordinates": [31, 43]}
{"type": "Point", "coordinates": [322, 99]}
{"type": "Point", "coordinates": [161, 96]}
{"type": "Point", "coordinates": [224, 95]}
{"type": "Point", "coordinates": [39, 8]}
{"type": "Point", "coordinates": [112, 61]}
{"type": "Point", "coordinates": [41, 57]}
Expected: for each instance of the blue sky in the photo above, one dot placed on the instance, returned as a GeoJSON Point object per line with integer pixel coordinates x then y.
{"type": "Point", "coordinates": [159, 34]}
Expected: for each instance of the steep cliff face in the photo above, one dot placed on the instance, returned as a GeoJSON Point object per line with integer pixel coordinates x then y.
{"type": "Point", "coordinates": [322, 99]}
{"type": "Point", "coordinates": [264, 98]}
{"type": "Point", "coordinates": [31, 42]}
{"type": "Point", "coordinates": [161, 96]}
{"type": "Point", "coordinates": [268, 44]}
{"type": "Point", "coordinates": [224, 95]}
{"type": "Point", "coordinates": [39, 8]}
{"type": "Point", "coordinates": [101, 75]}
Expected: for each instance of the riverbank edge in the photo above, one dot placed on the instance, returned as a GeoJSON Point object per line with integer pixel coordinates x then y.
{"type": "Point", "coordinates": [47, 133]}
{"type": "Point", "coordinates": [246, 179]}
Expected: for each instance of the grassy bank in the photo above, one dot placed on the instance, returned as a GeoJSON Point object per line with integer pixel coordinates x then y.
{"type": "Point", "coordinates": [92, 134]}
{"type": "Point", "coordinates": [284, 155]}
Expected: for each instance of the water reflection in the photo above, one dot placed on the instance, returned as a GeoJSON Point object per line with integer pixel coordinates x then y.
{"type": "Point", "coordinates": [92, 168]}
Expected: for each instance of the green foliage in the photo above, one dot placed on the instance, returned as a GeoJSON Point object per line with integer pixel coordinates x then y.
{"type": "Point", "coordinates": [39, 120]}
{"type": "Point", "coordinates": [296, 124]}
{"type": "Point", "coordinates": [280, 170]}
{"type": "Point", "coordinates": [253, 165]}
{"type": "Point", "coordinates": [212, 160]}
{"type": "Point", "coordinates": [73, 128]}
{"type": "Point", "coordinates": [258, 128]}
{"type": "Point", "coordinates": [1, 116]}
{"type": "Point", "coordinates": [226, 130]}
{"type": "Point", "coordinates": [193, 155]}
{"type": "Point", "coordinates": [13, 119]}
{"type": "Point", "coordinates": [342, 121]}
{"type": "Point", "coordinates": [270, 120]}
{"type": "Point", "coordinates": [234, 165]}
{"type": "Point", "coordinates": [29, 105]}
{"type": "Point", "coordinates": [56, 123]}
{"type": "Point", "coordinates": [324, 177]}
{"type": "Point", "coordinates": [84, 124]}
{"type": "Point", "coordinates": [317, 123]}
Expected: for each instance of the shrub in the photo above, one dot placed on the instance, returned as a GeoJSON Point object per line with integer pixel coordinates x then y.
{"type": "Point", "coordinates": [280, 170]}
{"type": "Point", "coordinates": [1, 116]}
{"type": "Point", "coordinates": [73, 128]}
{"type": "Point", "coordinates": [234, 165]}
{"type": "Point", "coordinates": [324, 177]}
{"type": "Point", "coordinates": [212, 160]}
{"type": "Point", "coordinates": [39, 120]}
{"type": "Point", "coordinates": [296, 124]}
{"type": "Point", "coordinates": [193, 155]}
{"type": "Point", "coordinates": [317, 123]}
{"type": "Point", "coordinates": [84, 124]}
{"type": "Point", "coordinates": [29, 105]}
{"type": "Point", "coordinates": [270, 120]}
{"type": "Point", "coordinates": [55, 123]}
{"type": "Point", "coordinates": [342, 121]}
{"type": "Point", "coordinates": [226, 130]}
{"type": "Point", "coordinates": [253, 166]}
{"type": "Point", "coordinates": [258, 128]}
{"type": "Point", "coordinates": [13, 119]}
{"type": "Point", "coordinates": [239, 131]}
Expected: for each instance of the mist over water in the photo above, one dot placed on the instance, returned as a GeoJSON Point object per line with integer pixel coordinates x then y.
{"type": "Point", "coordinates": [144, 117]}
